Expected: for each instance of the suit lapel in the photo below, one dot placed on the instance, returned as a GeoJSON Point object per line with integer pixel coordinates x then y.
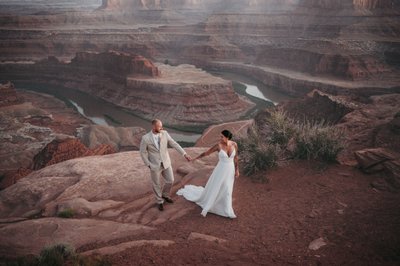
{"type": "Point", "coordinates": [151, 139]}
{"type": "Point", "coordinates": [161, 139]}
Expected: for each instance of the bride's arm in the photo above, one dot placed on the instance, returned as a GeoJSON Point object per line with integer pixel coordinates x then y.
{"type": "Point", "coordinates": [236, 161]}
{"type": "Point", "coordinates": [206, 153]}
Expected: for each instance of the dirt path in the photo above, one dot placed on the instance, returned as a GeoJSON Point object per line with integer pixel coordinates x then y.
{"type": "Point", "coordinates": [278, 220]}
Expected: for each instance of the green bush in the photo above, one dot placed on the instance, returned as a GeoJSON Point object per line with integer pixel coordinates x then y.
{"type": "Point", "coordinates": [67, 213]}
{"type": "Point", "coordinates": [317, 141]}
{"type": "Point", "coordinates": [55, 255]}
{"type": "Point", "coordinates": [58, 255]}
{"type": "Point", "coordinates": [281, 127]}
{"type": "Point", "coordinates": [265, 145]}
{"type": "Point", "coordinates": [256, 154]}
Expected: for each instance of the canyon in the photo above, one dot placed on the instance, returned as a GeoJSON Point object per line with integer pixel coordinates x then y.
{"type": "Point", "coordinates": [179, 95]}
{"type": "Point", "coordinates": [39, 130]}
{"type": "Point", "coordinates": [339, 61]}
{"type": "Point", "coordinates": [286, 45]}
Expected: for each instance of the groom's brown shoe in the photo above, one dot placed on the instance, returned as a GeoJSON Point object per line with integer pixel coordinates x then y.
{"type": "Point", "coordinates": [161, 207]}
{"type": "Point", "coordinates": [168, 199]}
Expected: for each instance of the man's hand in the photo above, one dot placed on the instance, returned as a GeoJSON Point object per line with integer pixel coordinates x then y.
{"type": "Point", "coordinates": [187, 157]}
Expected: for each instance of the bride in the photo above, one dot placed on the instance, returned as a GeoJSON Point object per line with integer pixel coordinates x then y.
{"type": "Point", "coordinates": [216, 196]}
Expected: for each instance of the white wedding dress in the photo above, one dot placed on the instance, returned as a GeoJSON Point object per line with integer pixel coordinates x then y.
{"type": "Point", "coordinates": [216, 196]}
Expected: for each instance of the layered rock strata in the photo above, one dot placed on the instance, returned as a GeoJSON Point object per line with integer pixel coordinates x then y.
{"type": "Point", "coordinates": [331, 42]}
{"type": "Point", "coordinates": [179, 95]}
{"type": "Point", "coordinates": [60, 150]}
{"type": "Point", "coordinates": [27, 126]}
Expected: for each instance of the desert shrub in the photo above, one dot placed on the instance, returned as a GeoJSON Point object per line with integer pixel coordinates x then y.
{"type": "Point", "coordinates": [281, 127]}
{"type": "Point", "coordinates": [265, 145]}
{"type": "Point", "coordinates": [55, 255]}
{"type": "Point", "coordinates": [316, 140]}
{"type": "Point", "coordinates": [256, 154]}
{"type": "Point", "coordinates": [59, 254]}
{"type": "Point", "coordinates": [67, 213]}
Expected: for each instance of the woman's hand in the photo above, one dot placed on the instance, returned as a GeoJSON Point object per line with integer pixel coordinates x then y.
{"type": "Point", "coordinates": [237, 174]}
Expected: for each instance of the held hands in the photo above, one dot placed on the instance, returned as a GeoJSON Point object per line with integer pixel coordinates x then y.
{"type": "Point", "coordinates": [188, 158]}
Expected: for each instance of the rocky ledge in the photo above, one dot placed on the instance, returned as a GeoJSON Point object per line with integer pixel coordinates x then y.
{"type": "Point", "coordinates": [111, 191]}
{"type": "Point", "coordinates": [39, 130]}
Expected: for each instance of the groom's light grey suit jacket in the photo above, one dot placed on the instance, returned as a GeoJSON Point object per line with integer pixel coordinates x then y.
{"type": "Point", "coordinates": [152, 156]}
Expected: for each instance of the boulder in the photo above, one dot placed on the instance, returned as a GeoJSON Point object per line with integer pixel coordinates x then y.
{"type": "Point", "coordinates": [317, 244]}
{"type": "Point", "coordinates": [380, 160]}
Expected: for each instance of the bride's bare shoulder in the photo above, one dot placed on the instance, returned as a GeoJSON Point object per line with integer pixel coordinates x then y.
{"type": "Point", "coordinates": [235, 144]}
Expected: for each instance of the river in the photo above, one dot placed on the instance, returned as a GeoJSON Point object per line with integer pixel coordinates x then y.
{"type": "Point", "coordinates": [103, 113]}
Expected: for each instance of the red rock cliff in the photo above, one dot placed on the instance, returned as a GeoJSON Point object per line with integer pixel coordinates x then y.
{"type": "Point", "coordinates": [116, 63]}
{"type": "Point", "coordinates": [62, 150]}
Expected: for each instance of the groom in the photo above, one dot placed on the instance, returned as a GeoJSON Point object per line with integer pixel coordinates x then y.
{"type": "Point", "coordinates": [154, 152]}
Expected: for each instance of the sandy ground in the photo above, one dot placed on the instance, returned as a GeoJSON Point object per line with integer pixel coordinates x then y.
{"type": "Point", "coordinates": [278, 220]}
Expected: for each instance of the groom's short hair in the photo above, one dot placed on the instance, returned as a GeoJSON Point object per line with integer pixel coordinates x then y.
{"type": "Point", "coordinates": [155, 121]}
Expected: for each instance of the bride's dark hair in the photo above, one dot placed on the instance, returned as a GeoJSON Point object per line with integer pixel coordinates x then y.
{"type": "Point", "coordinates": [227, 134]}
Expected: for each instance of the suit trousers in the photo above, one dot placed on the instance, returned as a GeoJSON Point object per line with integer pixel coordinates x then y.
{"type": "Point", "coordinates": [159, 189]}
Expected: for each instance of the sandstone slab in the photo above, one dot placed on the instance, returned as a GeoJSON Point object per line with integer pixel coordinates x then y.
{"type": "Point", "coordinates": [29, 237]}
{"type": "Point", "coordinates": [90, 184]}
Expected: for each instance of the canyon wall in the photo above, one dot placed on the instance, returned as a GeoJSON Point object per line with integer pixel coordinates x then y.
{"type": "Point", "coordinates": [182, 96]}
{"type": "Point", "coordinates": [27, 125]}
{"type": "Point", "coordinates": [115, 62]}
{"type": "Point", "coordinates": [294, 46]}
